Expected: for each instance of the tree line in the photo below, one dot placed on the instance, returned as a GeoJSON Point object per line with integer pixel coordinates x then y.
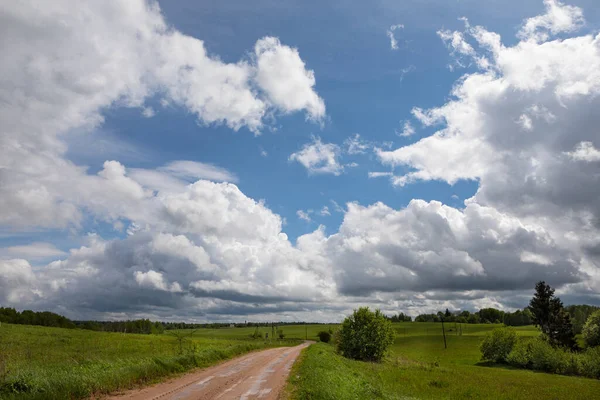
{"type": "Point", "coordinates": [28, 317]}
{"type": "Point", "coordinates": [577, 313]}
{"type": "Point", "coordinates": [144, 326]}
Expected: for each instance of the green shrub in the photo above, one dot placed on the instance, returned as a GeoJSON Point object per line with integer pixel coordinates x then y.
{"type": "Point", "coordinates": [546, 358]}
{"type": "Point", "coordinates": [591, 330]}
{"type": "Point", "coordinates": [324, 336]}
{"type": "Point", "coordinates": [520, 356]}
{"type": "Point", "coordinates": [280, 333]}
{"type": "Point", "coordinates": [498, 344]}
{"type": "Point", "coordinates": [543, 356]}
{"type": "Point", "coordinates": [589, 363]}
{"type": "Point", "coordinates": [365, 335]}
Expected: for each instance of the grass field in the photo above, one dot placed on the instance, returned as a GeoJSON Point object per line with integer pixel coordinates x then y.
{"type": "Point", "coordinates": [420, 368]}
{"type": "Point", "coordinates": [53, 363]}
{"type": "Point", "coordinates": [290, 331]}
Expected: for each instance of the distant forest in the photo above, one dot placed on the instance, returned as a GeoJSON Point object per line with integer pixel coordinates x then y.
{"type": "Point", "coordinates": [145, 326]}
{"type": "Point", "coordinates": [578, 313]}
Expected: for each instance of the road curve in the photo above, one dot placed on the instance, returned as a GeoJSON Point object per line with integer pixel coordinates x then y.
{"type": "Point", "coordinates": [257, 375]}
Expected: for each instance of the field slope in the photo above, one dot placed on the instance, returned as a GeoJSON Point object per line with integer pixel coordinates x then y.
{"type": "Point", "coordinates": [420, 368]}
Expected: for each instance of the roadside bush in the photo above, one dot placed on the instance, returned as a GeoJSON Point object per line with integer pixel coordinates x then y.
{"type": "Point", "coordinates": [280, 334]}
{"type": "Point", "coordinates": [498, 344]}
{"type": "Point", "coordinates": [324, 336]}
{"type": "Point", "coordinates": [591, 330]}
{"type": "Point", "coordinates": [365, 335]}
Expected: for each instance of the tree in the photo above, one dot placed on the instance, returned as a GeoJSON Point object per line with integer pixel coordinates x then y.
{"type": "Point", "coordinates": [365, 335]}
{"type": "Point", "coordinates": [579, 315]}
{"type": "Point", "coordinates": [474, 319]}
{"type": "Point", "coordinates": [549, 315]}
{"type": "Point", "coordinates": [491, 315]}
{"type": "Point", "coordinates": [591, 330]}
{"type": "Point", "coordinates": [324, 336]}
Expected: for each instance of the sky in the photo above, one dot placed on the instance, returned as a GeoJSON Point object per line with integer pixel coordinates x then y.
{"type": "Point", "coordinates": [274, 160]}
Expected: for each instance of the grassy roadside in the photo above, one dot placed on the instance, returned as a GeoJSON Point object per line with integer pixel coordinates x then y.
{"type": "Point", "coordinates": [53, 363]}
{"type": "Point", "coordinates": [413, 371]}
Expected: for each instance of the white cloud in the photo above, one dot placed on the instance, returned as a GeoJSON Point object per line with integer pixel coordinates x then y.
{"type": "Point", "coordinates": [32, 251]}
{"type": "Point", "coordinates": [337, 207]}
{"type": "Point", "coordinates": [456, 42]}
{"type": "Point", "coordinates": [281, 73]}
{"type": "Point", "coordinates": [319, 158]}
{"type": "Point", "coordinates": [390, 35]}
{"type": "Point", "coordinates": [194, 170]}
{"type": "Point", "coordinates": [355, 145]}
{"type": "Point", "coordinates": [304, 215]}
{"type": "Point", "coordinates": [325, 211]}
{"type": "Point", "coordinates": [155, 280]}
{"type": "Point", "coordinates": [559, 18]}
{"type": "Point", "coordinates": [46, 97]}
{"type": "Point", "coordinates": [584, 151]}
{"type": "Point", "coordinates": [379, 174]}
{"type": "Point", "coordinates": [510, 124]}
{"type": "Point", "coordinates": [407, 130]}
{"type": "Point", "coordinates": [16, 282]}
{"type": "Point", "coordinates": [405, 71]}
{"type": "Point", "coordinates": [148, 112]}
{"type": "Point", "coordinates": [206, 250]}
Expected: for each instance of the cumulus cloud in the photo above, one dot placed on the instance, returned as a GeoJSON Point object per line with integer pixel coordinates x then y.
{"type": "Point", "coordinates": [198, 248]}
{"type": "Point", "coordinates": [522, 126]}
{"type": "Point", "coordinates": [47, 97]}
{"type": "Point", "coordinates": [319, 158]}
{"type": "Point", "coordinates": [584, 151]}
{"type": "Point", "coordinates": [16, 282]}
{"type": "Point", "coordinates": [430, 246]}
{"type": "Point", "coordinates": [281, 73]}
{"type": "Point", "coordinates": [559, 18]}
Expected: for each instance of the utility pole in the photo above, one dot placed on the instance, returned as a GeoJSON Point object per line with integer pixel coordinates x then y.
{"type": "Point", "coordinates": [444, 333]}
{"type": "Point", "coordinates": [305, 332]}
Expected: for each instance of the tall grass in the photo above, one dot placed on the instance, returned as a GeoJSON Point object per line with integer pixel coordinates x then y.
{"type": "Point", "coordinates": [55, 363]}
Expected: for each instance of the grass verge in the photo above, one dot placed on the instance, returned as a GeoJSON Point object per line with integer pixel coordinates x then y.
{"type": "Point", "coordinates": [321, 374]}
{"type": "Point", "coordinates": [54, 363]}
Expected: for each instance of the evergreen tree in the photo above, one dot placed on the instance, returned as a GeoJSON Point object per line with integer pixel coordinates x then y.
{"type": "Point", "coordinates": [549, 315]}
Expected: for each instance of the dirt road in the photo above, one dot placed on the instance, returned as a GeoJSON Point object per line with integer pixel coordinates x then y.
{"type": "Point", "coordinates": [259, 375]}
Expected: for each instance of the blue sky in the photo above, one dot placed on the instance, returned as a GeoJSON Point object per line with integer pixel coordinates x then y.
{"type": "Point", "coordinates": [369, 89]}
{"type": "Point", "coordinates": [98, 122]}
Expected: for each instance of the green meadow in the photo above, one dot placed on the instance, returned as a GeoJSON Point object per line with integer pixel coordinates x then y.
{"type": "Point", "coordinates": [419, 367]}
{"type": "Point", "coordinates": [53, 363]}
{"type": "Point", "coordinates": [308, 331]}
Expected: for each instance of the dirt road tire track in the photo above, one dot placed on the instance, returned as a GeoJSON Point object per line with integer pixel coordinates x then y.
{"type": "Point", "coordinates": [257, 375]}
